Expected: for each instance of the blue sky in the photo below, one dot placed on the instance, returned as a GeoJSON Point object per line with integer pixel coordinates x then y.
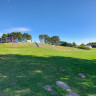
{"type": "Point", "coordinates": [72, 20]}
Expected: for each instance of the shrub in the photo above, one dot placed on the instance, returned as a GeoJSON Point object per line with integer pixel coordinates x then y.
{"type": "Point", "coordinates": [84, 47]}
{"type": "Point", "coordinates": [75, 46]}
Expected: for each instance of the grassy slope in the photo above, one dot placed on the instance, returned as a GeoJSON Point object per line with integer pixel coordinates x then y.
{"type": "Point", "coordinates": [25, 69]}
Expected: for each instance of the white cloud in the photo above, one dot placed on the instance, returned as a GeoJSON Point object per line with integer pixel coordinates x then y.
{"type": "Point", "coordinates": [18, 29]}
{"type": "Point", "coordinates": [14, 29]}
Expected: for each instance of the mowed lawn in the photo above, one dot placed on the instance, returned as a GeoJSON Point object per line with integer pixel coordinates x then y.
{"type": "Point", "coordinates": [25, 70]}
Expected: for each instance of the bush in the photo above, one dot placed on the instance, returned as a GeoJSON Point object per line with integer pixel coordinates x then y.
{"type": "Point", "coordinates": [84, 47]}
{"type": "Point", "coordinates": [75, 46]}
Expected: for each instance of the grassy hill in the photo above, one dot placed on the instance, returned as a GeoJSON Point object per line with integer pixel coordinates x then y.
{"type": "Point", "coordinates": [26, 69]}
{"type": "Point", "coordinates": [33, 45]}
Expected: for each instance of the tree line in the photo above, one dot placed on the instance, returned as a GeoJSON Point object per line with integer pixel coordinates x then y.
{"type": "Point", "coordinates": [18, 37]}
{"type": "Point", "coordinates": [49, 40]}
{"type": "Point", "coordinates": [93, 44]}
{"type": "Point", "coordinates": [54, 40]}
{"type": "Point", "coordinates": [44, 38]}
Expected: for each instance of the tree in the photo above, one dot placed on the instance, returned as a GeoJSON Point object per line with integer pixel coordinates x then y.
{"type": "Point", "coordinates": [4, 38]}
{"type": "Point", "coordinates": [82, 44]}
{"type": "Point", "coordinates": [41, 38]}
{"type": "Point", "coordinates": [93, 44]}
{"type": "Point", "coordinates": [55, 40]}
{"type": "Point", "coordinates": [45, 39]}
{"type": "Point", "coordinates": [74, 44]}
{"type": "Point", "coordinates": [48, 40]}
{"type": "Point", "coordinates": [27, 36]}
{"type": "Point", "coordinates": [18, 37]}
{"type": "Point", "coordinates": [70, 44]}
{"type": "Point", "coordinates": [64, 43]}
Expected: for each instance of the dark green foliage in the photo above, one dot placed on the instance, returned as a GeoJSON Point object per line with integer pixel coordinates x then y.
{"type": "Point", "coordinates": [93, 44]}
{"type": "Point", "coordinates": [55, 40]}
{"type": "Point", "coordinates": [46, 37]}
{"type": "Point", "coordinates": [18, 37]}
{"type": "Point", "coordinates": [84, 47]}
{"type": "Point", "coordinates": [4, 38]}
{"type": "Point", "coordinates": [27, 36]}
{"type": "Point", "coordinates": [70, 44]}
{"type": "Point", "coordinates": [49, 40]}
{"type": "Point", "coordinates": [82, 44]}
{"type": "Point", "coordinates": [64, 43]}
{"type": "Point", "coordinates": [74, 44]}
{"type": "Point", "coordinates": [41, 38]}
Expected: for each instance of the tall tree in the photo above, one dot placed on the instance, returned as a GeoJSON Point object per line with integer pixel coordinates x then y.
{"type": "Point", "coordinates": [18, 37]}
{"type": "Point", "coordinates": [48, 40]}
{"type": "Point", "coordinates": [45, 39]}
{"type": "Point", "coordinates": [4, 38]}
{"type": "Point", "coordinates": [27, 36]}
{"type": "Point", "coordinates": [74, 44]}
{"type": "Point", "coordinates": [55, 40]}
{"type": "Point", "coordinates": [41, 38]}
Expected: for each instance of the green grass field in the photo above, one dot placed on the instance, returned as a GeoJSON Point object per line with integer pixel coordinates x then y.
{"type": "Point", "coordinates": [25, 69]}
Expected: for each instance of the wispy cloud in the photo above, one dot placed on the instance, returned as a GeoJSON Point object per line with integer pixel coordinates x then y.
{"type": "Point", "coordinates": [14, 29]}
{"type": "Point", "coordinates": [18, 29]}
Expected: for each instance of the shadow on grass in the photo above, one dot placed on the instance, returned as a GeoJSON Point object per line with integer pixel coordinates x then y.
{"type": "Point", "coordinates": [24, 75]}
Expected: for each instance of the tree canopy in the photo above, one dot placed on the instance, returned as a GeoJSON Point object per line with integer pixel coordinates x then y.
{"type": "Point", "coordinates": [54, 40]}
{"type": "Point", "coordinates": [18, 37]}
{"type": "Point", "coordinates": [93, 44]}
{"type": "Point", "coordinates": [49, 40]}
